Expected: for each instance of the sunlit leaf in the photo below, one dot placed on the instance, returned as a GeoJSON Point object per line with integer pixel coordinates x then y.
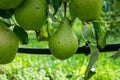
{"type": "Point", "coordinates": [100, 34]}
{"type": "Point", "coordinates": [52, 17]}
{"type": "Point", "coordinates": [77, 28]}
{"type": "Point", "coordinates": [93, 58]}
{"type": "Point", "coordinates": [88, 30]}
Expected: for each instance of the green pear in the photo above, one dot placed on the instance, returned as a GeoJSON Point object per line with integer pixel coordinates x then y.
{"type": "Point", "coordinates": [8, 44]}
{"type": "Point", "coordinates": [64, 43]}
{"type": "Point", "coordinates": [86, 10]}
{"type": "Point", "coordinates": [9, 4]}
{"type": "Point", "coordinates": [32, 14]}
{"type": "Point", "coordinates": [117, 4]}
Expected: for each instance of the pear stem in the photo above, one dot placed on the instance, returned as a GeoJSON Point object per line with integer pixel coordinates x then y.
{"type": "Point", "coordinates": [65, 8]}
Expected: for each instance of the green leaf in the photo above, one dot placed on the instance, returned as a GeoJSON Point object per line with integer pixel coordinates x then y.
{"type": "Point", "coordinates": [116, 55]}
{"type": "Point", "coordinates": [56, 4]}
{"type": "Point", "coordinates": [52, 17]}
{"type": "Point", "coordinates": [90, 74]}
{"type": "Point", "coordinates": [77, 28]}
{"type": "Point", "coordinates": [100, 34]}
{"type": "Point", "coordinates": [93, 58]}
{"type": "Point", "coordinates": [6, 13]}
{"type": "Point", "coordinates": [22, 34]}
{"type": "Point", "coordinates": [88, 30]}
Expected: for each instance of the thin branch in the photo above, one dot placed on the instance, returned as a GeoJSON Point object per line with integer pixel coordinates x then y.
{"type": "Point", "coordinates": [65, 8]}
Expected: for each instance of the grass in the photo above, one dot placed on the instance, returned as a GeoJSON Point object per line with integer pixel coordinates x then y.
{"type": "Point", "coordinates": [47, 67]}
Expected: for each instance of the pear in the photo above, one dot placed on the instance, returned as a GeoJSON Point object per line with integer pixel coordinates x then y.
{"type": "Point", "coordinates": [64, 43]}
{"type": "Point", "coordinates": [10, 4]}
{"type": "Point", "coordinates": [86, 10]}
{"type": "Point", "coordinates": [32, 14]}
{"type": "Point", "coordinates": [8, 44]}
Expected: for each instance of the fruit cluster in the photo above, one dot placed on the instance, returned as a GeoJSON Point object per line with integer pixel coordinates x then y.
{"type": "Point", "coordinates": [32, 15]}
